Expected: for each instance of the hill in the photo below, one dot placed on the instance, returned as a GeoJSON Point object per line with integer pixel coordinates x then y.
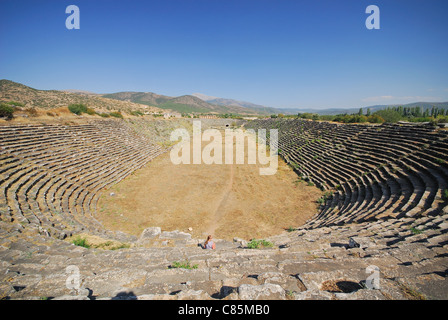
{"type": "Point", "coordinates": [122, 101]}
{"type": "Point", "coordinates": [48, 99]}
{"type": "Point", "coordinates": [185, 103]}
{"type": "Point", "coordinates": [259, 109]}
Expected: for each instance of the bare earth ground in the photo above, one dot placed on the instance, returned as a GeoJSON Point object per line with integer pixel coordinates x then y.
{"type": "Point", "coordinates": [225, 200]}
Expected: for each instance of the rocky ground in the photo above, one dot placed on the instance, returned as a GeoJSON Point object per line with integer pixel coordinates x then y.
{"type": "Point", "coordinates": [339, 262]}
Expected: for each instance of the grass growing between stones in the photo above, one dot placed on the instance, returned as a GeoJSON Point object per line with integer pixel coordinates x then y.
{"type": "Point", "coordinates": [411, 293]}
{"type": "Point", "coordinates": [183, 265]}
{"type": "Point", "coordinates": [81, 242]}
{"type": "Point", "coordinates": [416, 231]}
{"type": "Point", "coordinates": [445, 194]}
{"type": "Point", "coordinates": [258, 244]}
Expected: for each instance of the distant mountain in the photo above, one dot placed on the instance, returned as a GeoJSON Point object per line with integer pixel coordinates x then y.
{"type": "Point", "coordinates": [148, 101]}
{"type": "Point", "coordinates": [186, 103]}
{"type": "Point", "coordinates": [13, 91]}
{"type": "Point", "coordinates": [203, 96]}
{"type": "Point", "coordinates": [259, 109]}
{"type": "Point", "coordinates": [329, 111]}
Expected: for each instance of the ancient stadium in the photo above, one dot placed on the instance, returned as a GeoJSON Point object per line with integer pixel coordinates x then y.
{"type": "Point", "coordinates": [96, 197]}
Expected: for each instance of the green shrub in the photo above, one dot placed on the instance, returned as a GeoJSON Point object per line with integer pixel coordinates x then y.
{"type": "Point", "coordinates": [116, 115]}
{"type": "Point", "coordinates": [90, 111]}
{"type": "Point", "coordinates": [442, 119]}
{"type": "Point", "coordinates": [445, 195]}
{"type": "Point", "coordinates": [82, 242]}
{"type": "Point", "coordinates": [136, 113]}
{"type": "Point", "coordinates": [15, 103]}
{"type": "Point", "coordinates": [421, 119]}
{"type": "Point", "coordinates": [416, 231]}
{"type": "Point", "coordinates": [77, 108]}
{"type": "Point", "coordinates": [104, 115]}
{"type": "Point", "coordinates": [389, 115]}
{"type": "Point", "coordinates": [6, 111]}
{"type": "Point", "coordinates": [374, 118]}
{"type": "Point", "coordinates": [257, 244]}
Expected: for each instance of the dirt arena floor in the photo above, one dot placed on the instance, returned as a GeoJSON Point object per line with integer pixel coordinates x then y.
{"type": "Point", "coordinates": [225, 200]}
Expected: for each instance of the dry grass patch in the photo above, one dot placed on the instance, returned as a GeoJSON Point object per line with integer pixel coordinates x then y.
{"type": "Point", "coordinates": [91, 241]}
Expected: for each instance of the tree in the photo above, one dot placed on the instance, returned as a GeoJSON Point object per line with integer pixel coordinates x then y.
{"type": "Point", "coordinates": [418, 112]}
{"type": "Point", "coordinates": [374, 118]}
{"type": "Point", "coordinates": [77, 108]}
{"type": "Point", "coordinates": [6, 111]}
{"type": "Point", "coordinates": [389, 115]}
{"type": "Point", "coordinates": [360, 112]}
{"type": "Point", "coordinates": [405, 111]}
{"type": "Point", "coordinates": [368, 112]}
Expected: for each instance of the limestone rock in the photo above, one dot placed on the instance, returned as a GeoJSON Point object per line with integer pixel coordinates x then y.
{"type": "Point", "coordinates": [178, 235]}
{"type": "Point", "coordinates": [156, 297]}
{"type": "Point", "coordinates": [266, 291]}
{"type": "Point", "coordinates": [360, 242]}
{"type": "Point", "coordinates": [241, 242]}
{"type": "Point", "coordinates": [313, 295]}
{"type": "Point", "coordinates": [69, 297]}
{"type": "Point", "coordinates": [149, 233]}
{"type": "Point", "coordinates": [363, 294]}
{"type": "Point", "coordinates": [193, 295]}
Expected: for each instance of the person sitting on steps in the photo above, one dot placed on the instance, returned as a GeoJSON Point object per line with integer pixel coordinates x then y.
{"type": "Point", "coordinates": [209, 244]}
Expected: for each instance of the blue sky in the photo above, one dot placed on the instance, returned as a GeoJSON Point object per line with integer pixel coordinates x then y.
{"type": "Point", "coordinates": [278, 53]}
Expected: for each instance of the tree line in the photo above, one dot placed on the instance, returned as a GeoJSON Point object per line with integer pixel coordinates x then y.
{"type": "Point", "coordinates": [433, 115]}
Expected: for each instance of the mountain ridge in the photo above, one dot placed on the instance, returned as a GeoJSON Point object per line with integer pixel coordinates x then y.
{"type": "Point", "coordinates": [260, 109]}
{"type": "Point", "coordinates": [49, 99]}
{"type": "Point", "coordinates": [149, 101]}
{"type": "Point", "coordinates": [184, 103]}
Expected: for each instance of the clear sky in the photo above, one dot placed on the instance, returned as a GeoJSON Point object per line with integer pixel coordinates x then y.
{"type": "Point", "coordinates": [278, 53]}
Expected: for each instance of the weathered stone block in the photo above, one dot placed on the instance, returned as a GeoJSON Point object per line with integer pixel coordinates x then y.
{"type": "Point", "coordinates": [177, 235]}
{"type": "Point", "coordinates": [261, 292]}
{"type": "Point", "coordinates": [149, 233]}
{"type": "Point", "coordinates": [360, 242]}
